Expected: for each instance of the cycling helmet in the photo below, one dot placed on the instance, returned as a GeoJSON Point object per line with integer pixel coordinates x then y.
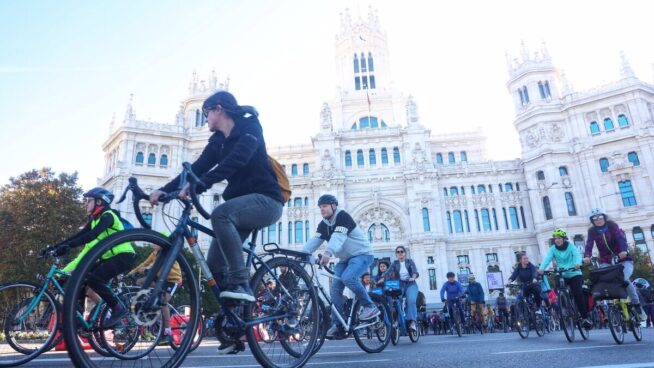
{"type": "Point", "coordinates": [471, 277]}
{"type": "Point", "coordinates": [100, 193]}
{"type": "Point", "coordinates": [559, 233]}
{"type": "Point", "coordinates": [641, 283]}
{"type": "Point", "coordinates": [450, 274]}
{"type": "Point", "coordinates": [596, 212]}
{"type": "Point", "coordinates": [327, 199]}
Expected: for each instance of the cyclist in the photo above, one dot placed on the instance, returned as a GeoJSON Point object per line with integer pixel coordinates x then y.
{"type": "Point", "coordinates": [103, 221]}
{"type": "Point", "coordinates": [236, 152]}
{"type": "Point", "coordinates": [382, 267]}
{"type": "Point", "coordinates": [502, 307]}
{"type": "Point", "coordinates": [567, 256]}
{"type": "Point", "coordinates": [365, 280]}
{"type": "Point", "coordinates": [611, 242]}
{"type": "Point", "coordinates": [527, 274]}
{"type": "Point", "coordinates": [454, 291]}
{"type": "Point", "coordinates": [173, 280]}
{"type": "Point", "coordinates": [405, 270]}
{"type": "Point", "coordinates": [475, 294]}
{"type": "Point", "coordinates": [348, 243]}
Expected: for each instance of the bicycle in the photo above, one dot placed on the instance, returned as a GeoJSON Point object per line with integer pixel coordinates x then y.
{"type": "Point", "coordinates": [526, 315]}
{"type": "Point", "coordinates": [400, 325]}
{"type": "Point", "coordinates": [237, 319]}
{"type": "Point", "coordinates": [476, 315]}
{"type": "Point", "coordinates": [568, 314]}
{"type": "Point", "coordinates": [456, 321]}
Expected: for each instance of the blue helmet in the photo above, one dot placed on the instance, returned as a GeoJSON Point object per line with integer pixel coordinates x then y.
{"type": "Point", "coordinates": [327, 199]}
{"type": "Point", "coordinates": [100, 193]}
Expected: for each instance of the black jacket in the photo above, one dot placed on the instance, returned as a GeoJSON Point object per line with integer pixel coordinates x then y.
{"type": "Point", "coordinates": [242, 160]}
{"type": "Point", "coordinates": [524, 275]}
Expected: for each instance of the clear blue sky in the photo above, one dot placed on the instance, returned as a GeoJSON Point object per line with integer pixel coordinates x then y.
{"type": "Point", "coordinates": [67, 66]}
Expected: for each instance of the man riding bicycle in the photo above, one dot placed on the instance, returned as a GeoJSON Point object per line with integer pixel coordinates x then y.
{"type": "Point", "coordinates": [475, 294]}
{"type": "Point", "coordinates": [348, 243]}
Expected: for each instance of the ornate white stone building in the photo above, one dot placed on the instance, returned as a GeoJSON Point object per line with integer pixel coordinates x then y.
{"type": "Point", "coordinates": [453, 207]}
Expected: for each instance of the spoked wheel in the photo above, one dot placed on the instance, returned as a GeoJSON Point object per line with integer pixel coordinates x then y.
{"type": "Point", "coordinates": [539, 323]}
{"type": "Point", "coordinates": [29, 325]}
{"type": "Point", "coordinates": [584, 332]}
{"type": "Point", "coordinates": [395, 333]}
{"type": "Point", "coordinates": [457, 323]}
{"type": "Point", "coordinates": [324, 322]}
{"type": "Point", "coordinates": [132, 338]}
{"type": "Point", "coordinates": [635, 329]}
{"type": "Point", "coordinates": [616, 323]}
{"type": "Point", "coordinates": [289, 340]}
{"type": "Point", "coordinates": [567, 317]}
{"type": "Point", "coordinates": [373, 335]}
{"type": "Point", "coordinates": [522, 320]}
{"type": "Point", "coordinates": [414, 335]}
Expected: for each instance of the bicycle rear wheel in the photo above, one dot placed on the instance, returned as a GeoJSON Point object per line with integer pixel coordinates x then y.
{"type": "Point", "coordinates": [414, 335]}
{"type": "Point", "coordinates": [289, 340]}
{"type": "Point", "coordinates": [522, 321]}
{"type": "Point", "coordinates": [29, 326]}
{"type": "Point", "coordinates": [567, 316]}
{"type": "Point", "coordinates": [130, 338]}
{"type": "Point", "coordinates": [539, 323]}
{"type": "Point", "coordinates": [373, 335]}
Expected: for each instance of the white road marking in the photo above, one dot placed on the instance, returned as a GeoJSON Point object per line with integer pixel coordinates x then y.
{"type": "Point", "coordinates": [560, 349]}
{"type": "Point", "coordinates": [309, 363]}
{"type": "Point", "coordinates": [633, 365]}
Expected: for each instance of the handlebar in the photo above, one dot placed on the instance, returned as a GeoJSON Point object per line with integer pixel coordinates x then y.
{"type": "Point", "coordinates": [559, 271]}
{"type": "Point", "coordinates": [138, 194]}
{"type": "Point", "coordinates": [327, 269]}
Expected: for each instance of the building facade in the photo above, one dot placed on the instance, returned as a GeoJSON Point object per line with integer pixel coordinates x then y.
{"type": "Point", "coordinates": [441, 196]}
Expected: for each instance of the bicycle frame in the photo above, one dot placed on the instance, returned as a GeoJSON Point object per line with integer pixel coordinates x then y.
{"type": "Point", "coordinates": [50, 278]}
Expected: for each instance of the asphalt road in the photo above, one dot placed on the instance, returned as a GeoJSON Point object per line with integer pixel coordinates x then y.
{"type": "Point", "coordinates": [470, 351]}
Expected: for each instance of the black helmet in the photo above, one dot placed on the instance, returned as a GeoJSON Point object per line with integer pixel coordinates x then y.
{"type": "Point", "coordinates": [450, 274]}
{"type": "Point", "coordinates": [100, 193]}
{"type": "Point", "coordinates": [327, 199]}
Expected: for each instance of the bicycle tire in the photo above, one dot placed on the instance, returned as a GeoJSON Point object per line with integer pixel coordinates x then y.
{"type": "Point", "coordinates": [635, 326]}
{"type": "Point", "coordinates": [567, 316]}
{"type": "Point", "coordinates": [323, 326]}
{"type": "Point", "coordinates": [297, 341]}
{"type": "Point", "coordinates": [414, 335]}
{"type": "Point", "coordinates": [13, 301]}
{"type": "Point", "coordinates": [382, 326]}
{"type": "Point", "coordinates": [616, 323]}
{"type": "Point", "coordinates": [539, 323]}
{"type": "Point", "coordinates": [167, 358]}
{"type": "Point", "coordinates": [523, 319]}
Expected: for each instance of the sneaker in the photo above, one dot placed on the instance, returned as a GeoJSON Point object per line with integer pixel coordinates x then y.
{"type": "Point", "coordinates": [412, 326]}
{"type": "Point", "coordinates": [640, 314]}
{"type": "Point", "coordinates": [333, 331]}
{"type": "Point", "coordinates": [117, 313]}
{"type": "Point", "coordinates": [238, 292]}
{"type": "Point", "coordinates": [538, 311]}
{"type": "Point", "coordinates": [368, 313]}
{"type": "Point", "coordinates": [227, 348]}
{"type": "Point", "coordinates": [586, 323]}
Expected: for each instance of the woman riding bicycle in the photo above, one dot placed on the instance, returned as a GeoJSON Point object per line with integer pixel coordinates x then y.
{"type": "Point", "coordinates": [236, 152]}
{"type": "Point", "coordinates": [567, 256]}
{"type": "Point", "coordinates": [405, 270]}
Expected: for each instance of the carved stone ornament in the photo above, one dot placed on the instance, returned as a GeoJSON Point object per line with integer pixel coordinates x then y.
{"type": "Point", "coordinates": [419, 161]}
{"type": "Point", "coordinates": [483, 200]}
{"type": "Point", "coordinates": [381, 215]}
{"type": "Point", "coordinates": [532, 138]}
{"type": "Point", "coordinates": [411, 110]}
{"type": "Point", "coordinates": [325, 117]}
{"type": "Point", "coordinates": [556, 134]}
{"type": "Point", "coordinates": [327, 168]}
{"type": "Point", "coordinates": [455, 202]}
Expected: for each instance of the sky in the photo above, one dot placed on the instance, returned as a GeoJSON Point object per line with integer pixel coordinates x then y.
{"type": "Point", "coordinates": [66, 67]}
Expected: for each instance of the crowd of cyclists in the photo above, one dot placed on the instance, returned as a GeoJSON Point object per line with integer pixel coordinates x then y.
{"type": "Point", "coordinates": [254, 198]}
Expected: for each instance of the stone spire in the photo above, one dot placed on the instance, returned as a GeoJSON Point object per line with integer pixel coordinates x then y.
{"type": "Point", "coordinates": [625, 68]}
{"type": "Point", "coordinates": [129, 111]}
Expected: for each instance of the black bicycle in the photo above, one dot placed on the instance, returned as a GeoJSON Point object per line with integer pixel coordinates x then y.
{"type": "Point", "coordinates": [568, 313]}
{"type": "Point", "coordinates": [526, 314]}
{"type": "Point", "coordinates": [238, 319]}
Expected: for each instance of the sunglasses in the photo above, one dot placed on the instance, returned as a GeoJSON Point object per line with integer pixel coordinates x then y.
{"type": "Point", "coordinates": [597, 217]}
{"type": "Point", "coordinates": [206, 111]}
{"type": "Point", "coordinates": [399, 251]}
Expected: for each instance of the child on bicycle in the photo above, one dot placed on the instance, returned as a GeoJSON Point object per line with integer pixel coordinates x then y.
{"type": "Point", "coordinates": [527, 274]}
{"type": "Point", "coordinates": [103, 221]}
{"type": "Point", "coordinates": [454, 291]}
{"type": "Point", "coordinates": [173, 280]}
{"type": "Point", "coordinates": [567, 256]}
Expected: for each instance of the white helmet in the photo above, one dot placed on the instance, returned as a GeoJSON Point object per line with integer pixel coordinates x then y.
{"type": "Point", "coordinates": [596, 212]}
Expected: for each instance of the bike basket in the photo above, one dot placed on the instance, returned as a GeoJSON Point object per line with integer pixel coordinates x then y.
{"type": "Point", "coordinates": [609, 283]}
{"type": "Point", "coordinates": [377, 291]}
{"type": "Point", "coordinates": [392, 287]}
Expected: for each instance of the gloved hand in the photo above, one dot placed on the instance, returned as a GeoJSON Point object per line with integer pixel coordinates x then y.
{"type": "Point", "coordinates": [61, 249]}
{"type": "Point", "coordinates": [200, 187]}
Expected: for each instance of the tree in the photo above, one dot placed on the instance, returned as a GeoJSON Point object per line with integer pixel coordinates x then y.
{"type": "Point", "coordinates": [642, 265]}
{"type": "Point", "coordinates": [38, 208]}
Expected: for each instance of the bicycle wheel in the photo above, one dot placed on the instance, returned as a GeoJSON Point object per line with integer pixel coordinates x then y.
{"type": "Point", "coordinates": [616, 323]}
{"type": "Point", "coordinates": [28, 325]}
{"type": "Point", "coordinates": [289, 340]}
{"type": "Point", "coordinates": [522, 321]}
{"type": "Point", "coordinates": [130, 338]}
{"type": "Point", "coordinates": [323, 325]}
{"type": "Point", "coordinates": [395, 333]}
{"type": "Point", "coordinates": [373, 335]}
{"type": "Point", "coordinates": [414, 335]}
{"type": "Point", "coordinates": [505, 323]}
{"type": "Point", "coordinates": [539, 323]}
{"type": "Point", "coordinates": [635, 325]}
{"type": "Point", "coordinates": [585, 333]}
{"type": "Point", "coordinates": [457, 323]}
{"type": "Point", "coordinates": [567, 316]}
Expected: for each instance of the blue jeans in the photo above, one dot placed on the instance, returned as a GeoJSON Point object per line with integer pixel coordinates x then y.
{"type": "Point", "coordinates": [628, 269]}
{"type": "Point", "coordinates": [350, 273]}
{"type": "Point", "coordinates": [450, 308]}
{"type": "Point", "coordinates": [411, 293]}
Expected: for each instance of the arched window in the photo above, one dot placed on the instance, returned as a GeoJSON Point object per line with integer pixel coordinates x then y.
{"type": "Point", "coordinates": [384, 155]}
{"type": "Point", "coordinates": [608, 124]}
{"type": "Point", "coordinates": [356, 64]}
{"type": "Point", "coordinates": [152, 159]}
{"type": "Point", "coordinates": [467, 220]}
{"type": "Point", "coordinates": [348, 159]}
{"type": "Point", "coordinates": [477, 221]}
{"type": "Point", "coordinates": [458, 221]}
{"type": "Point", "coordinates": [522, 97]}
{"type": "Point", "coordinates": [570, 203]}
{"type": "Point", "coordinates": [448, 218]}
{"type": "Point", "coordinates": [508, 187]}
{"type": "Point", "coordinates": [506, 220]}
{"type": "Point", "coordinates": [639, 239]}
{"type": "Point", "coordinates": [139, 158]}
{"type": "Point", "coordinates": [385, 233]}
{"type": "Point", "coordinates": [367, 122]}
{"type": "Point", "coordinates": [454, 191]}
{"type": "Point", "coordinates": [463, 191]}
{"type": "Point", "coordinates": [540, 175]}
{"type": "Point", "coordinates": [363, 63]}
{"type": "Point", "coordinates": [594, 128]}
{"type": "Point", "coordinates": [499, 187]}
{"type": "Point", "coordinates": [359, 158]}
{"type": "Point", "coordinates": [371, 66]}
{"type": "Point", "coordinates": [623, 122]}
{"type": "Point", "coordinates": [372, 157]}
{"type": "Point", "coordinates": [198, 118]}
{"type": "Point", "coordinates": [525, 93]}
{"type": "Point", "coordinates": [306, 201]}
{"type": "Point", "coordinates": [547, 89]}
{"type": "Point", "coordinates": [604, 164]}
{"type": "Point", "coordinates": [290, 232]}
{"type": "Point", "coordinates": [396, 155]}
{"type": "Point", "coordinates": [464, 156]}
{"type": "Point", "coordinates": [490, 188]}
{"type": "Point", "coordinates": [563, 171]}
{"type": "Point", "coordinates": [425, 220]}
{"type": "Point", "coordinates": [450, 158]}
{"type": "Point", "coordinates": [272, 233]}
{"type": "Point", "coordinates": [627, 193]}
{"type": "Point", "coordinates": [541, 90]}
{"type": "Point", "coordinates": [294, 170]}
{"type": "Point", "coordinates": [297, 202]}
{"type": "Point", "coordinates": [163, 160]}
{"type": "Point", "coordinates": [481, 189]}
{"type": "Point", "coordinates": [305, 169]}
{"type": "Point", "coordinates": [633, 158]}
{"type": "Point", "coordinates": [522, 215]}
{"type": "Point", "coordinates": [445, 192]}
{"type": "Point", "coordinates": [279, 233]}
{"type": "Point", "coordinates": [547, 208]}
{"type": "Point", "coordinates": [485, 219]}
{"type": "Point", "coordinates": [298, 232]}
{"type": "Point", "coordinates": [495, 219]}
{"type": "Point", "coordinates": [306, 231]}
{"type": "Point", "coordinates": [472, 189]}
{"type": "Point", "coordinates": [513, 213]}
{"type": "Point", "coordinates": [439, 158]}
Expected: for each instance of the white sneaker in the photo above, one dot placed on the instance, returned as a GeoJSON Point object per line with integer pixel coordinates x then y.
{"type": "Point", "coordinates": [368, 313]}
{"type": "Point", "coordinates": [538, 312]}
